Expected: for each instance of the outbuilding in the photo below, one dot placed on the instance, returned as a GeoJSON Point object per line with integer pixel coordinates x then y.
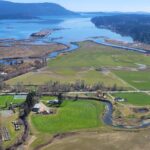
{"type": "Point", "coordinates": [119, 99]}
{"type": "Point", "coordinates": [54, 102]}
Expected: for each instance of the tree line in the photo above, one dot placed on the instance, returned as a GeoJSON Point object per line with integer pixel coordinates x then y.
{"type": "Point", "coordinates": [55, 86]}
{"type": "Point", "coordinates": [135, 25]}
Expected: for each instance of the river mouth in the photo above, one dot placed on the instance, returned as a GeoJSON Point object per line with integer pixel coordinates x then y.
{"type": "Point", "coordinates": [71, 31]}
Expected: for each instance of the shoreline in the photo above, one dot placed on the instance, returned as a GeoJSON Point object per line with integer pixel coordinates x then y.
{"type": "Point", "coordinates": [136, 45]}
{"type": "Point", "coordinates": [122, 47]}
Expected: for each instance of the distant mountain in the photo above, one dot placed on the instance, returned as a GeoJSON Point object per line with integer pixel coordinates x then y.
{"type": "Point", "coordinates": [10, 10]}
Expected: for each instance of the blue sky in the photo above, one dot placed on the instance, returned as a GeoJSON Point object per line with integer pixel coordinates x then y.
{"type": "Point", "coordinates": [100, 5]}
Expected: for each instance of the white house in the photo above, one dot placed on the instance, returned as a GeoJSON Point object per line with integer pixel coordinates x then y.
{"type": "Point", "coordinates": [41, 108]}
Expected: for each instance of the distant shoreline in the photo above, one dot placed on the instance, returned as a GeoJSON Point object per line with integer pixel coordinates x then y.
{"type": "Point", "coordinates": [136, 45]}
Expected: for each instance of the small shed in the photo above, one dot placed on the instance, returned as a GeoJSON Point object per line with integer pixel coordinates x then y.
{"type": "Point", "coordinates": [56, 101]}
{"type": "Point", "coordinates": [119, 99]}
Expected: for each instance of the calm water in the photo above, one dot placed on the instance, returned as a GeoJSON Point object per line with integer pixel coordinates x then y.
{"type": "Point", "coordinates": [75, 29]}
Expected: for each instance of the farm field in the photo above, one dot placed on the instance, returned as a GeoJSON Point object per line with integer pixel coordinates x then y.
{"type": "Point", "coordinates": [92, 54]}
{"type": "Point", "coordinates": [140, 99]}
{"type": "Point", "coordinates": [89, 76]}
{"type": "Point", "coordinates": [138, 79]}
{"type": "Point", "coordinates": [8, 99]}
{"type": "Point", "coordinates": [82, 64]}
{"type": "Point", "coordinates": [82, 115]}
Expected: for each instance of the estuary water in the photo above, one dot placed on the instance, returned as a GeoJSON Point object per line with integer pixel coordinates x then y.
{"type": "Point", "coordinates": [72, 29]}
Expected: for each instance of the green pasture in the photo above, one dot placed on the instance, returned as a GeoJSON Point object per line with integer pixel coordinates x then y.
{"type": "Point", "coordinates": [9, 99]}
{"type": "Point", "coordinates": [138, 79]}
{"type": "Point", "coordinates": [140, 99]}
{"type": "Point", "coordinates": [72, 115]}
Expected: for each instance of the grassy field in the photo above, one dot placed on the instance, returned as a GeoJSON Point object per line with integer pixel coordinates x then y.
{"type": "Point", "coordinates": [138, 79]}
{"type": "Point", "coordinates": [72, 115]}
{"type": "Point", "coordinates": [89, 76]}
{"type": "Point", "coordinates": [9, 99]}
{"type": "Point", "coordinates": [93, 55]}
{"type": "Point", "coordinates": [140, 99]}
{"type": "Point", "coordinates": [82, 65]}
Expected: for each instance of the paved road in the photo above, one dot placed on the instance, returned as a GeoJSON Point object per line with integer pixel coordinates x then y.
{"type": "Point", "coordinates": [137, 91]}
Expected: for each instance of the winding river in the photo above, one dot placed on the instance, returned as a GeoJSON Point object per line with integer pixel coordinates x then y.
{"type": "Point", "coordinates": [107, 118]}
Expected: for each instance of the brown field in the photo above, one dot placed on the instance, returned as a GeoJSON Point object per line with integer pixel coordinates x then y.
{"type": "Point", "coordinates": [29, 50]}
{"type": "Point", "coordinates": [118, 140]}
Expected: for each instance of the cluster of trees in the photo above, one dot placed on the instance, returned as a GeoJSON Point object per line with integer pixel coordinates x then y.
{"type": "Point", "coordinates": [16, 67]}
{"type": "Point", "coordinates": [57, 87]}
{"type": "Point", "coordinates": [27, 106]}
{"type": "Point", "coordinates": [134, 25]}
{"type": "Point", "coordinates": [79, 85]}
{"type": "Point", "coordinates": [3, 86]}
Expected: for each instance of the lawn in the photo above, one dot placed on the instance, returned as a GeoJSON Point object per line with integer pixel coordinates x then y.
{"type": "Point", "coordinates": [138, 79]}
{"type": "Point", "coordinates": [47, 98]}
{"type": "Point", "coordinates": [72, 115]}
{"type": "Point", "coordinates": [9, 99]}
{"type": "Point", "coordinates": [140, 99]}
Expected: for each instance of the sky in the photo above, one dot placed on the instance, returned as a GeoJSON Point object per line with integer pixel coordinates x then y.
{"type": "Point", "coordinates": [99, 5]}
